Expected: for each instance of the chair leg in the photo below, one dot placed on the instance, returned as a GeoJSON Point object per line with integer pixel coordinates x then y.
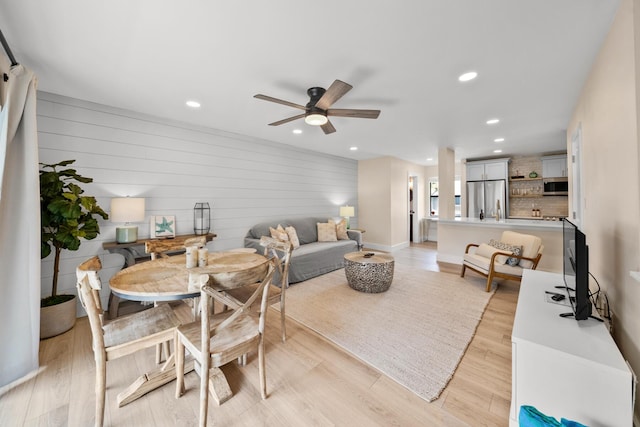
{"type": "Point", "coordinates": [261, 368]}
{"type": "Point", "coordinates": [489, 280]}
{"type": "Point", "coordinates": [179, 361]}
{"type": "Point", "coordinates": [242, 360]}
{"type": "Point", "coordinates": [464, 267]}
{"type": "Point", "coordinates": [101, 385]}
{"type": "Point", "coordinates": [204, 389]}
{"type": "Point", "coordinates": [282, 326]}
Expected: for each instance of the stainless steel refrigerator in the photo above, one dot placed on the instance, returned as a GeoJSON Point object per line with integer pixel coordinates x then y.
{"type": "Point", "coordinates": [488, 196]}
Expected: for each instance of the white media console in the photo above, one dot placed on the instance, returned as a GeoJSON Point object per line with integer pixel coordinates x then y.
{"type": "Point", "coordinates": [563, 367]}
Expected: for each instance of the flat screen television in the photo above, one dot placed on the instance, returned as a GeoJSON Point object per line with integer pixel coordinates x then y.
{"type": "Point", "coordinates": [576, 269]}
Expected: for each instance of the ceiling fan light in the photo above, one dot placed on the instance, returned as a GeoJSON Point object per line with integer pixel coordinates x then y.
{"type": "Point", "coordinates": [316, 119]}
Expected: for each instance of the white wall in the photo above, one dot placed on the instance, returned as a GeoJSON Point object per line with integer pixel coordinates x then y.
{"type": "Point", "coordinates": [608, 114]}
{"type": "Point", "coordinates": [174, 165]}
{"type": "Point", "coordinates": [383, 201]}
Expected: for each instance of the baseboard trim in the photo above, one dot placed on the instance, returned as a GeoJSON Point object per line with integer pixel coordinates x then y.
{"type": "Point", "coordinates": [386, 248]}
{"type": "Point", "coordinates": [451, 259]}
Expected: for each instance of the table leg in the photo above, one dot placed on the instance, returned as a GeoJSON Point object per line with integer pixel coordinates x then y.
{"type": "Point", "coordinates": [218, 385]}
{"type": "Point", "coordinates": [114, 303]}
{"type": "Point", "coordinates": [151, 381]}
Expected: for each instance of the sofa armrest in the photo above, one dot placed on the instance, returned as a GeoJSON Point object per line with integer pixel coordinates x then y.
{"type": "Point", "coordinates": [355, 235]}
{"type": "Point", "coordinates": [253, 243]}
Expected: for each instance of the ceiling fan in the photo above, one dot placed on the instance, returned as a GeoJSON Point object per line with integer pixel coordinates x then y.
{"type": "Point", "coordinates": [317, 110]}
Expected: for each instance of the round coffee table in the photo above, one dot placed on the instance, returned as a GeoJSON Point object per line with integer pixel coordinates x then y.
{"type": "Point", "coordinates": [369, 274]}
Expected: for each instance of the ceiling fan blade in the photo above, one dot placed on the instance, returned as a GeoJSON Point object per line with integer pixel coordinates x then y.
{"type": "Point", "coordinates": [283, 121]}
{"type": "Point", "coordinates": [328, 128]}
{"type": "Point", "coordinates": [279, 101]}
{"type": "Point", "coordinates": [348, 112]}
{"type": "Point", "coordinates": [336, 91]}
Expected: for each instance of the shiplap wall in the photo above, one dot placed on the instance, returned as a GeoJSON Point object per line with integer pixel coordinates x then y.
{"type": "Point", "coordinates": [173, 165]}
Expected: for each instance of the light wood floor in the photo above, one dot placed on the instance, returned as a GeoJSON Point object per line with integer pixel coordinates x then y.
{"type": "Point", "coordinates": [310, 381]}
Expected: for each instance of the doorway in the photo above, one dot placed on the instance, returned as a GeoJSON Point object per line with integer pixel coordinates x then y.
{"type": "Point", "coordinates": [414, 220]}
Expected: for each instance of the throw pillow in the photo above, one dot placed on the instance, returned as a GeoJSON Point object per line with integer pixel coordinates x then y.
{"type": "Point", "coordinates": [279, 233]}
{"type": "Point", "coordinates": [515, 250]}
{"type": "Point", "coordinates": [293, 236]}
{"type": "Point", "coordinates": [487, 251]}
{"type": "Point", "coordinates": [341, 230]}
{"type": "Point", "coordinates": [327, 232]}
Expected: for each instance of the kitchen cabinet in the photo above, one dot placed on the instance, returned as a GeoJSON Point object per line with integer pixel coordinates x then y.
{"type": "Point", "coordinates": [554, 166]}
{"type": "Point", "coordinates": [487, 170]}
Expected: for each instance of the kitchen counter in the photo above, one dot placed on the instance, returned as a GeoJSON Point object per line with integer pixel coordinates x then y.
{"type": "Point", "coordinates": [455, 234]}
{"type": "Point", "coordinates": [511, 223]}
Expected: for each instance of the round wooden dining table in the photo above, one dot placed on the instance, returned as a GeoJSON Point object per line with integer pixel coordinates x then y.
{"type": "Point", "coordinates": [167, 279]}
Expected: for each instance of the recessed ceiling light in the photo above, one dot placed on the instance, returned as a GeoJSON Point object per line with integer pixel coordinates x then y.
{"type": "Point", "coordinates": [497, 151]}
{"type": "Point", "coordinates": [193, 104]}
{"type": "Point", "coordinates": [498, 140]}
{"type": "Point", "coordinates": [429, 159]}
{"type": "Point", "coordinates": [468, 76]}
{"type": "Point", "coordinates": [353, 148]}
{"type": "Point", "coordinates": [297, 131]}
{"type": "Point", "coordinates": [493, 121]}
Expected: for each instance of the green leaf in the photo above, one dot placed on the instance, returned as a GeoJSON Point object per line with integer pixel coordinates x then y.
{"type": "Point", "coordinates": [66, 217]}
{"type": "Point", "coordinates": [45, 250]}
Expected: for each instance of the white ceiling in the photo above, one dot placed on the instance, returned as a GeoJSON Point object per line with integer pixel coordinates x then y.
{"type": "Point", "coordinates": [401, 57]}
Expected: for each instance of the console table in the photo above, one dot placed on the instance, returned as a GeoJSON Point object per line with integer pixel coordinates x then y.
{"type": "Point", "coordinates": [563, 367]}
{"type": "Point", "coordinates": [134, 252]}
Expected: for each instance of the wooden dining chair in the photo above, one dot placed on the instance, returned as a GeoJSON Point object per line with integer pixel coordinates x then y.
{"type": "Point", "coordinates": [217, 339]}
{"type": "Point", "coordinates": [280, 252]}
{"type": "Point", "coordinates": [121, 336]}
{"type": "Point", "coordinates": [160, 248]}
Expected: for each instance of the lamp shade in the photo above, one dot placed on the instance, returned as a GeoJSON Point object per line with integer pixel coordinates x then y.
{"type": "Point", "coordinates": [347, 211]}
{"type": "Point", "coordinates": [127, 209]}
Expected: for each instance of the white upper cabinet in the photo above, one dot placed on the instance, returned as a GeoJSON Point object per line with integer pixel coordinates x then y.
{"type": "Point", "coordinates": [554, 166]}
{"type": "Point", "coordinates": [475, 171]}
{"type": "Point", "coordinates": [485, 170]}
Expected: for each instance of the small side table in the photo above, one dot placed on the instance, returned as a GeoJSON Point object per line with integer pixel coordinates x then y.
{"type": "Point", "coordinates": [369, 274]}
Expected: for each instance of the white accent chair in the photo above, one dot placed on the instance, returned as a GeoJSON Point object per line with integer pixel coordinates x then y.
{"type": "Point", "coordinates": [491, 262]}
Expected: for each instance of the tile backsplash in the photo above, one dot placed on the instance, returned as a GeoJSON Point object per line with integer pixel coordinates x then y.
{"type": "Point", "coordinates": [522, 206]}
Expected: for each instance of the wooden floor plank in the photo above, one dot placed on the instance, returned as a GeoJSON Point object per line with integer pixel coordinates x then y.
{"type": "Point", "coordinates": [310, 381]}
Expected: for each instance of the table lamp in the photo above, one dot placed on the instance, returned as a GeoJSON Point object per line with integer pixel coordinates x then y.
{"type": "Point", "coordinates": [127, 210]}
{"type": "Point", "coordinates": [346, 212]}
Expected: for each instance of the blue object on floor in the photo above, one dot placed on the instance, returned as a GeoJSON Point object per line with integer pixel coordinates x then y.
{"type": "Point", "coordinates": [531, 417]}
{"type": "Point", "coordinates": [568, 423]}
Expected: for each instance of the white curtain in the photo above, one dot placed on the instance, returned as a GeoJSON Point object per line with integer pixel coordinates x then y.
{"type": "Point", "coordinates": [19, 225]}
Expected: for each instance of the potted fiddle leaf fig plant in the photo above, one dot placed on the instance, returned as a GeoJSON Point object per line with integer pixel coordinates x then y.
{"type": "Point", "coordinates": [66, 216]}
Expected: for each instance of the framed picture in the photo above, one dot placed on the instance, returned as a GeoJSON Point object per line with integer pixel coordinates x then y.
{"type": "Point", "coordinates": [162, 226]}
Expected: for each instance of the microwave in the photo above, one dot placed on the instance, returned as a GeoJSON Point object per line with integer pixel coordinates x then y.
{"type": "Point", "coordinates": [556, 186]}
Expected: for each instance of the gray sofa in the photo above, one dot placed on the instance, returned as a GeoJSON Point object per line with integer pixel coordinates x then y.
{"type": "Point", "coordinates": [312, 258]}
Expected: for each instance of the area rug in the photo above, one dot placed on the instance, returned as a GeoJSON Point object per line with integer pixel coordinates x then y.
{"type": "Point", "coordinates": [416, 333]}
